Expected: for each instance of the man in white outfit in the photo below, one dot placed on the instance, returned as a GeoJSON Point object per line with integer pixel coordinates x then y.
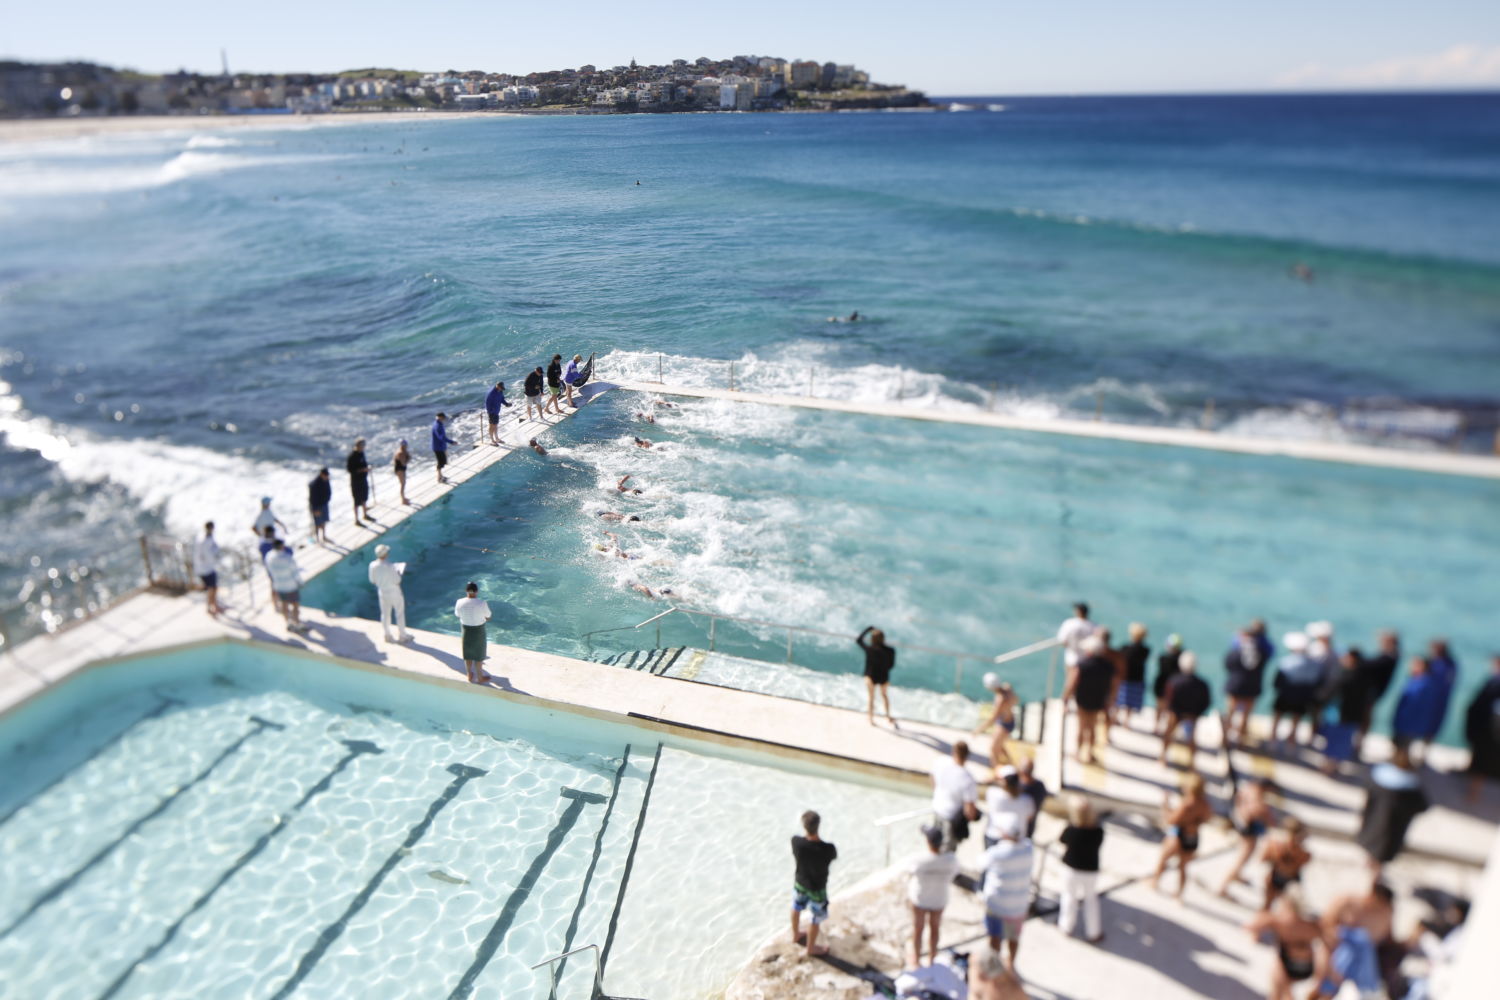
{"type": "Point", "coordinates": [1073, 632]}
{"type": "Point", "coordinates": [385, 576]}
{"type": "Point", "coordinates": [206, 567]}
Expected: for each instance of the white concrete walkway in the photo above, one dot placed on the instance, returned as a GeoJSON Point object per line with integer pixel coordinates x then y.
{"type": "Point", "coordinates": [1446, 463]}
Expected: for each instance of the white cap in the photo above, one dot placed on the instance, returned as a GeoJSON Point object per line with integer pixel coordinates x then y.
{"type": "Point", "coordinates": [381, 551]}
{"type": "Point", "coordinates": [1092, 644]}
{"type": "Point", "coordinates": [1294, 642]}
{"type": "Point", "coordinates": [1009, 825]}
{"type": "Point", "coordinates": [1320, 630]}
{"type": "Point", "coordinates": [992, 681]}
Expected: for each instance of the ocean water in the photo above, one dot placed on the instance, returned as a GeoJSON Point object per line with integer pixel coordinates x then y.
{"type": "Point", "coordinates": [191, 319]}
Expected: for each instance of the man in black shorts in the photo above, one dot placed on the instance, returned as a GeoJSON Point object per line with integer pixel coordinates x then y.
{"type": "Point", "coordinates": [1088, 686]}
{"type": "Point", "coordinates": [879, 660]}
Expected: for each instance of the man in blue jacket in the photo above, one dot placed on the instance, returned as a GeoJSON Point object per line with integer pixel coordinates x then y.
{"type": "Point", "coordinates": [493, 401]}
{"type": "Point", "coordinates": [440, 444]}
{"type": "Point", "coordinates": [1419, 713]}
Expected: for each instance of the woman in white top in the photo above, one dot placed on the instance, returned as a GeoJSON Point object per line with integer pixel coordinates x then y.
{"type": "Point", "coordinates": [472, 614]}
{"type": "Point", "coordinates": [1005, 797]}
{"type": "Point", "coordinates": [931, 878]}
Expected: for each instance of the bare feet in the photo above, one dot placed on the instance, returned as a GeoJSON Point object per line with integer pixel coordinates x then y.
{"type": "Point", "coordinates": [816, 950]}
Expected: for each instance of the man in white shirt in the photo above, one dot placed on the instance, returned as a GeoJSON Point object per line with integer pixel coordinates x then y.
{"type": "Point", "coordinates": [1072, 633]}
{"type": "Point", "coordinates": [1007, 887]}
{"type": "Point", "coordinates": [473, 612]}
{"type": "Point", "coordinates": [385, 576]}
{"type": "Point", "coordinates": [1005, 799]}
{"type": "Point", "coordinates": [206, 567]}
{"type": "Point", "coordinates": [955, 796]}
{"type": "Point", "coordinates": [265, 519]}
{"type": "Point", "coordinates": [286, 580]}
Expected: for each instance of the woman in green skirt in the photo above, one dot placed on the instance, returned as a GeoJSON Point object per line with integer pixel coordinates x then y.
{"type": "Point", "coordinates": [472, 614]}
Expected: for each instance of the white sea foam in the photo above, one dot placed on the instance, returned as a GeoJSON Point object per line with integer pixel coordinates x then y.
{"type": "Point", "coordinates": [186, 485]}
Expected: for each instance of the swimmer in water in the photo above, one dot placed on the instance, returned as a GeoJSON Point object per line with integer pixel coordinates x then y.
{"type": "Point", "coordinates": [609, 515]}
{"type": "Point", "coordinates": [642, 443]}
{"type": "Point", "coordinates": [648, 418]}
{"type": "Point", "coordinates": [620, 487]}
{"type": "Point", "coordinates": [536, 447]}
{"type": "Point", "coordinates": [664, 404]}
{"type": "Point", "coordinates": [1302, 272]}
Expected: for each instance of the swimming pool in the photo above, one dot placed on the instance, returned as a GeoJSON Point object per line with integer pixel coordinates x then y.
{"type": "Point", "coordinates": [959, 537]}
{"type": "Point", "coordinates": [235, 821]}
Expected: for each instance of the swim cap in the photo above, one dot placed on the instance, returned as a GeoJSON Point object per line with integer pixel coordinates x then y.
{"type": "Point", "coordinates": [1295, 642]}
{"type": "Point", "coordinates": [382, 550]}
{"type": "Point", "coordinates": [1174, 641]}
{"type": "Point", "coordinates": [992, 681]}
{"type": "Point", "coordinates": [265, 499]}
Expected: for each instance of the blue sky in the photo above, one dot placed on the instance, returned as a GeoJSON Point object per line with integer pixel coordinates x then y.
{"type": "Point", "coordinates": [942, 46]}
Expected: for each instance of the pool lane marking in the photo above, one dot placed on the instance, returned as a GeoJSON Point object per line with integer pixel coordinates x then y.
{"type": "Point", "coordinates": [462, 775]}
{"type": "Point", "coordinates": [166, 703]}
{"type": "Point", "coordinates": [635, 840]}
{"type": "Point", "coordinates": [356, 748]}
{"type": "Point", "coordinates": [561, 965]}
{"type": "Point", "coordinates": [61, 886]}
{"type": "Point", "coordinates": [527, 882]}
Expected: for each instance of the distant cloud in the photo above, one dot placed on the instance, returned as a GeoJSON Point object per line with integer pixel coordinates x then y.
{"type": "Point", "coordinates": [1456, 66]}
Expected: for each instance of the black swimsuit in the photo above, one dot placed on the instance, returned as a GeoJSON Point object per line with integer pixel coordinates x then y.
{"type": "Point", "coordinates": [1297, 969]}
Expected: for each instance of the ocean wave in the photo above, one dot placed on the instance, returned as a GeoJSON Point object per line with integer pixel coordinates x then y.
{"type": "Point", "coordinates": [23, 179]}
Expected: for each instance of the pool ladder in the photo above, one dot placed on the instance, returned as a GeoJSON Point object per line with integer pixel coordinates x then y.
{"type": "Point", "coordinates": [598, 992]}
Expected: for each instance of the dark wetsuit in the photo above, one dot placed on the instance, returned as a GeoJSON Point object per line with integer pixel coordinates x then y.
{"type": "Point", "coordinates": [879, 660]}
{"type": "Point", "coordinates": [359, 476]}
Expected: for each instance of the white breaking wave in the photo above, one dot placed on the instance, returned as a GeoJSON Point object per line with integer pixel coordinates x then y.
{"type": "Point", "coordinates": [23, 179]}
{"type": "Point", "coordinates": [185, 485]}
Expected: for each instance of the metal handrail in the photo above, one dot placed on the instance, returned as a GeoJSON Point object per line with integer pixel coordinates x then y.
{"type": "Point", "coordinates": [886, 822]}
{"type": "Point", "coordinates": [714, 617]}
{"type": "Point", "coordinates": [598, 968]}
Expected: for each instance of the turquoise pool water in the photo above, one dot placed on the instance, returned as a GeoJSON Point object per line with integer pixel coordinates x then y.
{"type": "Point", "coordinates": [950, 536]}
{"type": "Point", "coordinates": [233, 822]}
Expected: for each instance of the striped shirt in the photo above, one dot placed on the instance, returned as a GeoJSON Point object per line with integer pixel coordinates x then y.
{"type": "Point", "coordinates": [1007, 879]}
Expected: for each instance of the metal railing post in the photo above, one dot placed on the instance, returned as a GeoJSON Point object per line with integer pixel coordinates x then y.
{"type": "Point", "coordinates": [809, 381]}
{"type": "Point", "coordinates": [994, 391]}
{"type": "Point", "coordinates": [731, 376]}
{"type": "Point", "coordinates": [713, 625]}
{"type": "Point", "coordinates": [659, 380]}
{"type": "Point", "coordinates": [958, 674]}
{"type": "Point", "coordinates": [789, 645]}
{"type": "Point", "coordinates": [658, 637]}
{"type": "Point", "coordinates": [146, 556]}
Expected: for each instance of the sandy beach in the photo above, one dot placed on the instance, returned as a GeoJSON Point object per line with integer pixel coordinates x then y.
{"type": "Point", "coordinates": [56, 129]}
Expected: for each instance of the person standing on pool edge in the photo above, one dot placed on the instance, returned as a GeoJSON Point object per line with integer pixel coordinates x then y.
{"type": "Point", "coordinates": [810, 881]}
{"type": "Point", "coordinates": [880, 659]}
{"type": "Point", "coordinates": [533, 392]}
{"type": "Point", "coordinates": [554, 384]}
{"type": "Point", "coordinates": [359, 480]}
{"type": "Point", "coordinates": [494, 400]}
{"type": "Point", "coordinates": [472, 614]}
{"type": "Point", "coordinates": [440, 444]}
{"type": "Point", "coordinates": [319, 496]}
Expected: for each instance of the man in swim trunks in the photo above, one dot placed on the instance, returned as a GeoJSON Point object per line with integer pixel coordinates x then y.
{"type": "Point", "coordinates": [1286, 855]}
{"type": "Point", "coordinates": [1251, 816]}
{"type": "Point", "coordinates": [810, 881]}
{"type": "Point", "coordinates": [1183, 819]}
{"type": "Point", "coordinates": [880, 659]}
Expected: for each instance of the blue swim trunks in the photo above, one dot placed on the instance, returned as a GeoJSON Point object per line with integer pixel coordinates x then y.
{"type": "Point", "coordinates": [808, 899]}
{"type": "Point", "coordinates": [1004, 928]}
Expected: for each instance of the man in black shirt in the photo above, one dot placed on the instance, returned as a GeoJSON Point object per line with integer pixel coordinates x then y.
{"type": "Point", "coordinates": [319, 496]}
{"type": "Point", "coordinates": [533, 391]}
{"type": "Point", "coordinates": [1378, 671]}
{"type": "Point", "coordinates": [1188, 697]}
{"type": "Point", "coordinates": [554, 384]}
{"type": "Point", "coordinates": [810, 884]}
{"type": "Point", "coordinates": [359, 480]}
